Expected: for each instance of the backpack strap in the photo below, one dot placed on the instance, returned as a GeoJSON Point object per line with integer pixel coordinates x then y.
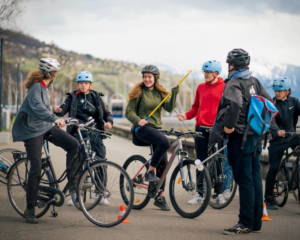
{"type": "Point", "coordinates": [248, 99]}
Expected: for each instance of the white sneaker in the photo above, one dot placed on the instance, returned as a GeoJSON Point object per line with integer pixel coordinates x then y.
{"type": "Point", "coordinates": [195, 200]}
{"type": "Point", "coordinates": [226, 194]}
{"type": "Point", "coordinates": [104, 202]}
{"type": "Point", "coordinates": [70, 203]}
{"type": "Point", "coordinates": [220, 199]}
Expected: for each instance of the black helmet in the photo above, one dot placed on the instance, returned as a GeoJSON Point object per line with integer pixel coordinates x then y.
{"type": "Point", "coordinates": [238, 57]}
{"type": "Point", "coordinates": [150, 69]}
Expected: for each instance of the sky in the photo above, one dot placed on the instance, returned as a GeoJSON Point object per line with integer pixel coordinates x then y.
{"type": "Point", "coordinates": [179, 34]}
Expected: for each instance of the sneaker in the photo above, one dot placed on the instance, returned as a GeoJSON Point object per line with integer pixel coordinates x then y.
{"type": "Point", "coordinates": [70, 203]}
{"type": "Point", "coordinates": [160, 202]}
{"type": "Point", "coordinates": [104, 202]}
{"type": "Point", "coordinates": [195, 200]}
{"type": "Point", "coordinates": [256, 231]}
{"type": "Point", "coordinates": [270, 203]}
{"type": "Point", "coordinates": [226, 194]}
{"type": "Point", "coordinates": [151, 177]}
{"type": "Point", "coordinates": [237, 229]}
{"type": "Point", "coordinates": [30, 215]}
{"type": "Point", "coordinates": [220, 199]}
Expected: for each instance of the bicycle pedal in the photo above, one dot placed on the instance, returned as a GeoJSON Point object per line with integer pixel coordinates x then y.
{"type": "Point", "coordinates": [41, 204]}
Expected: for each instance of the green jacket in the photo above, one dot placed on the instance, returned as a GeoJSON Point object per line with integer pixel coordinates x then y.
{"type": "Point", "coordinates": [150, 99]}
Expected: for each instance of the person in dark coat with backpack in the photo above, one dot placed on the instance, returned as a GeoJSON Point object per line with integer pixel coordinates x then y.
{"type": "Point", "coordinates": [246, 168]}
{"type": "Point", "coordinates": [286, 121]}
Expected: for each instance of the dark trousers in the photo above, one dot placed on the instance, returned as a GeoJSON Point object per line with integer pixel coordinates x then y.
{"type": "Point", "coordinates": [247, 174]}
{"type": "Point", "coordinates": [34, 146]}
{"type": "Point", "coordinates": [276, 151]}
{"type": "Point", "coordinates": [160, 146]}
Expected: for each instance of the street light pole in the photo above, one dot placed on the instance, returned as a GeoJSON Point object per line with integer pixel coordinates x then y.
{"type": "Point", "coordinates": [2, 37]}
{"type": "Point", "coordinates": [18, 81]}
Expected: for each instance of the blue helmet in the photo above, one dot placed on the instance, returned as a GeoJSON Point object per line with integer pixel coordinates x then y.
{"type": "Point", "coordinates": [213, 66]}
{"type": "Point", "coordinates": [282, 83]}
{"type": "Point", "coordinates": [84, 76]}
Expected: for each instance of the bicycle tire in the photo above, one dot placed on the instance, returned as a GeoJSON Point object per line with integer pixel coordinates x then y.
{"type": "Point", "coordinates": [6, 158]}
{"type": "Point", "coordinates": [233, 188]}
{"type": "Point", "coordinates": [281, 189]}
{"type": "Point", "coordinates": [17, 190]}
{"type": "Point", "coordinates": [132, 165]}
{"type": "Point", "coordinates": [111, 215]}
{"type": "Point", "coordinates": [177, 192]}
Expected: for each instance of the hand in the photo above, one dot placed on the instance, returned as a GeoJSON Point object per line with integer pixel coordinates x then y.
{"type": "Point", "coordinates": [60, 123]}
{"type": "Point", "coordinates": [107, 125]}
{"type": "Point", "coordinates": [281, 133]}
{"type": "Point", "coordinates": [143, 122]}
{"type": "Point", "coordinates": [181, 117]}
{"type": "Point", "coordinates": [57, 109]}
{"type": "Point", "coordinates": [228, 131]}
{"type": "Point", "coordinates": [175, 86]}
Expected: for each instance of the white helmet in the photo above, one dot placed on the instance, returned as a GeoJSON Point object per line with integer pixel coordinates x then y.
{"type": "Point", "coordinates": [49, 65]}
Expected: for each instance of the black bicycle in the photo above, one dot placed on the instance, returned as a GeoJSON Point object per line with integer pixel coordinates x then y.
{"type": "Point", "coordinates": [287, 178]}
{"type": "Point", "coordinates": [49, 194]}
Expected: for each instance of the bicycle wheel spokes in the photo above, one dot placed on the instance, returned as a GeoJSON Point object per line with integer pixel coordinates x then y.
{"type": "Point", "coordinates": [6, 160]}
{"type": "Point", "coordinates": [197, 185]}
{"type": "Point", "coordinates": [280, 191]}
{"type": "Point", "coordinates": [107, 182]}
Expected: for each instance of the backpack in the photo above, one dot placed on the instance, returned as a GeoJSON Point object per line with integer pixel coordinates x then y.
{"type": "Point", "coordinates": [261, 114]}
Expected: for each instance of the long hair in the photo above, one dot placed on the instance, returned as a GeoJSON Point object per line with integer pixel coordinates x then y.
{"type": "Point", "coordinates": [137, 89]}
{"type": "Point", "coordinates": [37, 76]}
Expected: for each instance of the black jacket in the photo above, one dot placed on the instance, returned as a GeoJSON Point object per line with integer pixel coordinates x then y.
{"type": "Point", "coordinates": [289, 111]}
{"type": "Point", "coordinates": [71, 107]}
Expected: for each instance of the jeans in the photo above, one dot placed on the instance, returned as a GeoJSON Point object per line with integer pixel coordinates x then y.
{"type": "Point", "coordinates": [247, 174]}
{"type": "Point", "coordinates": [34, 146]}
{"type": "Point", "coordinates": [227, 171]}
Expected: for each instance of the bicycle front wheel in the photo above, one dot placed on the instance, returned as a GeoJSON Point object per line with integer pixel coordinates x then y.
{"type": "Point", "coordinates": [281, 189]}
{"type": "Point", "coordinates": [106, 186]}
{"type": "Point", "coordinates": [182, 190]}
{"type": "Point", "coordinates": [17, 187]}
{"type": "Point", "coordinates": [6, 161]}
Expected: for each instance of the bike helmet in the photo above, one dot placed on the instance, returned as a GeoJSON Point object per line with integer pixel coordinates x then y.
{"type": "Point", "coordinates": [282, 83]}
{"type": "Point", "coordinates": [84, 76]}
{"type": "Point", "coordinates": [213, 66]}
{"type": "Point", "coordinates": [47, 65]}
{"type": "Point", "coordinates": [150, 69]}
{"type": "Point", "coordinates": [238, 57]}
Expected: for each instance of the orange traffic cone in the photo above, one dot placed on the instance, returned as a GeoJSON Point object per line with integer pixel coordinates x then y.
{"type": "Point", "coordinates": [121, 213]}
{"type": "Point", "coordinates": [265, 214]}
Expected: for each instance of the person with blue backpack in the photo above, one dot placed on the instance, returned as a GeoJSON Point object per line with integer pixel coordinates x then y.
{"type": "Point", "coordinates": [243, 141]}
{"type": "Point", "coordinates": [285, 121]}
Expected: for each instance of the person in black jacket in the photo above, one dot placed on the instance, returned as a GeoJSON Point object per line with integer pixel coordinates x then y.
{"type": "Point", "coordinates": [285, 121]}
{"type": "Point", "coordinates": [246, 168]}
{"type": "Point", "coordinates": [82, 104]}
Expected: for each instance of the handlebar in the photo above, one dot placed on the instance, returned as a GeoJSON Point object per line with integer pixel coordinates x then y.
{"type": "Point", "coordinates": [179, 133]}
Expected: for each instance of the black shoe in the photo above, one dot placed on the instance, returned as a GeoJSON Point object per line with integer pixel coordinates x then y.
{"type": "Point", "coordinates": [161, 203]}
{"type": "Point", "coordinates": [270, 203]}
{"type": "Point", "coordinates": [30, 215]}
{"type": "Point", "coordinates": [237, 229]}
{"type": "Point", "coordinates": [151, 177]}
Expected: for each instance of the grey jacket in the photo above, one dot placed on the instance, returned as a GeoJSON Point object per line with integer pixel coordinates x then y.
{"type": "Point", "coordinates": [34, 117]}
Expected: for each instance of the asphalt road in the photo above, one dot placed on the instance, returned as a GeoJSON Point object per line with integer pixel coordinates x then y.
{"type": "Point", "coordinates": [149, 223]}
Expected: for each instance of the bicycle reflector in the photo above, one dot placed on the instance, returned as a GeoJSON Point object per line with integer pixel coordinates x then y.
{"type": "Point", "coordinates": [199, 165]}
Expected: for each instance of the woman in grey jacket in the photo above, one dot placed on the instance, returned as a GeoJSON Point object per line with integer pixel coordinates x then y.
{"type": "Point", "coordinates": [33, 122]}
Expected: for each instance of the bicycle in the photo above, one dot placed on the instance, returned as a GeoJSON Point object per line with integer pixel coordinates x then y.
{"type": "Point", "coordinates": [283, 185]}
{"type": "Point", "coordinates": [6, 159]}
{"type": "Point", "coordinates": [49, 193]}
{"type": "Point", "coordinates": [183, 184]}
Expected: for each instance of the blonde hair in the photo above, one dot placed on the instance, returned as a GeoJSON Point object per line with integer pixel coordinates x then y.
{"type": "Point", "coordinates": [138, 88]}
{"type": "Point", "coordinates": [37, 76]}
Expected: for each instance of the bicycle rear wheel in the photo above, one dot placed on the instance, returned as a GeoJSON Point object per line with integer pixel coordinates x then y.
{"type": "Point", "coordinates": [180, 196]}
{"type": "Point", "coordinates": [281, 189]}
{"type": "Point", "coordinates": [112, 214]}
{"type": "Point", "coordinates": [6, 161]}
{"type": "Point", "coordinates": [215, 181]}
{"type": "Point", "coordinates": [132, 166]}
{"type": "Point", "coordinates": [17, 187]}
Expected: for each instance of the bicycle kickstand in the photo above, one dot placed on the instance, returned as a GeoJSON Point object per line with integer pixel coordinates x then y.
{"type": "Point", "coordinates": [53, 212]}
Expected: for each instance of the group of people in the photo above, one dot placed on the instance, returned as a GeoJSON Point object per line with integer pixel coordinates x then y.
{"type": "Point", "coordinates": [35, 120]}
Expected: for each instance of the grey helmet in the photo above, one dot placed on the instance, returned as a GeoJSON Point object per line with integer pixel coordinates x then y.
{"type": "Point", "coordinates": [47, 65]}
{"type": "Point", "coordinates": [151, 69]}
{"type": "Point", "coordinates": [239, 57]}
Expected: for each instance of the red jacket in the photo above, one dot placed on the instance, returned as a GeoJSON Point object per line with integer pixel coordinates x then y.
{"type": "Point", "coordinates": [206, 103]}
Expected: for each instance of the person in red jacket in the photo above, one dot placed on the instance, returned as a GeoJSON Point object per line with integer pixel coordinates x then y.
{"type": "Point", "coordinates": [205, 109]}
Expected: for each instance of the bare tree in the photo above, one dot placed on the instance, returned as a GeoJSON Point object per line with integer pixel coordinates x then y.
{"type": "Point", "coordinates": [9, 10]}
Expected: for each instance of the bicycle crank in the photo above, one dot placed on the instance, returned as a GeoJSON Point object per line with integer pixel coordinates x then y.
{"type": "Point", "coordinates": [49, 195]}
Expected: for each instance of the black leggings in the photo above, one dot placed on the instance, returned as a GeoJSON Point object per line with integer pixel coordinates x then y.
{"type": "Point", "coordinates": [34, 146]}
{"type": "Point", "coordinates": [160, 146]}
